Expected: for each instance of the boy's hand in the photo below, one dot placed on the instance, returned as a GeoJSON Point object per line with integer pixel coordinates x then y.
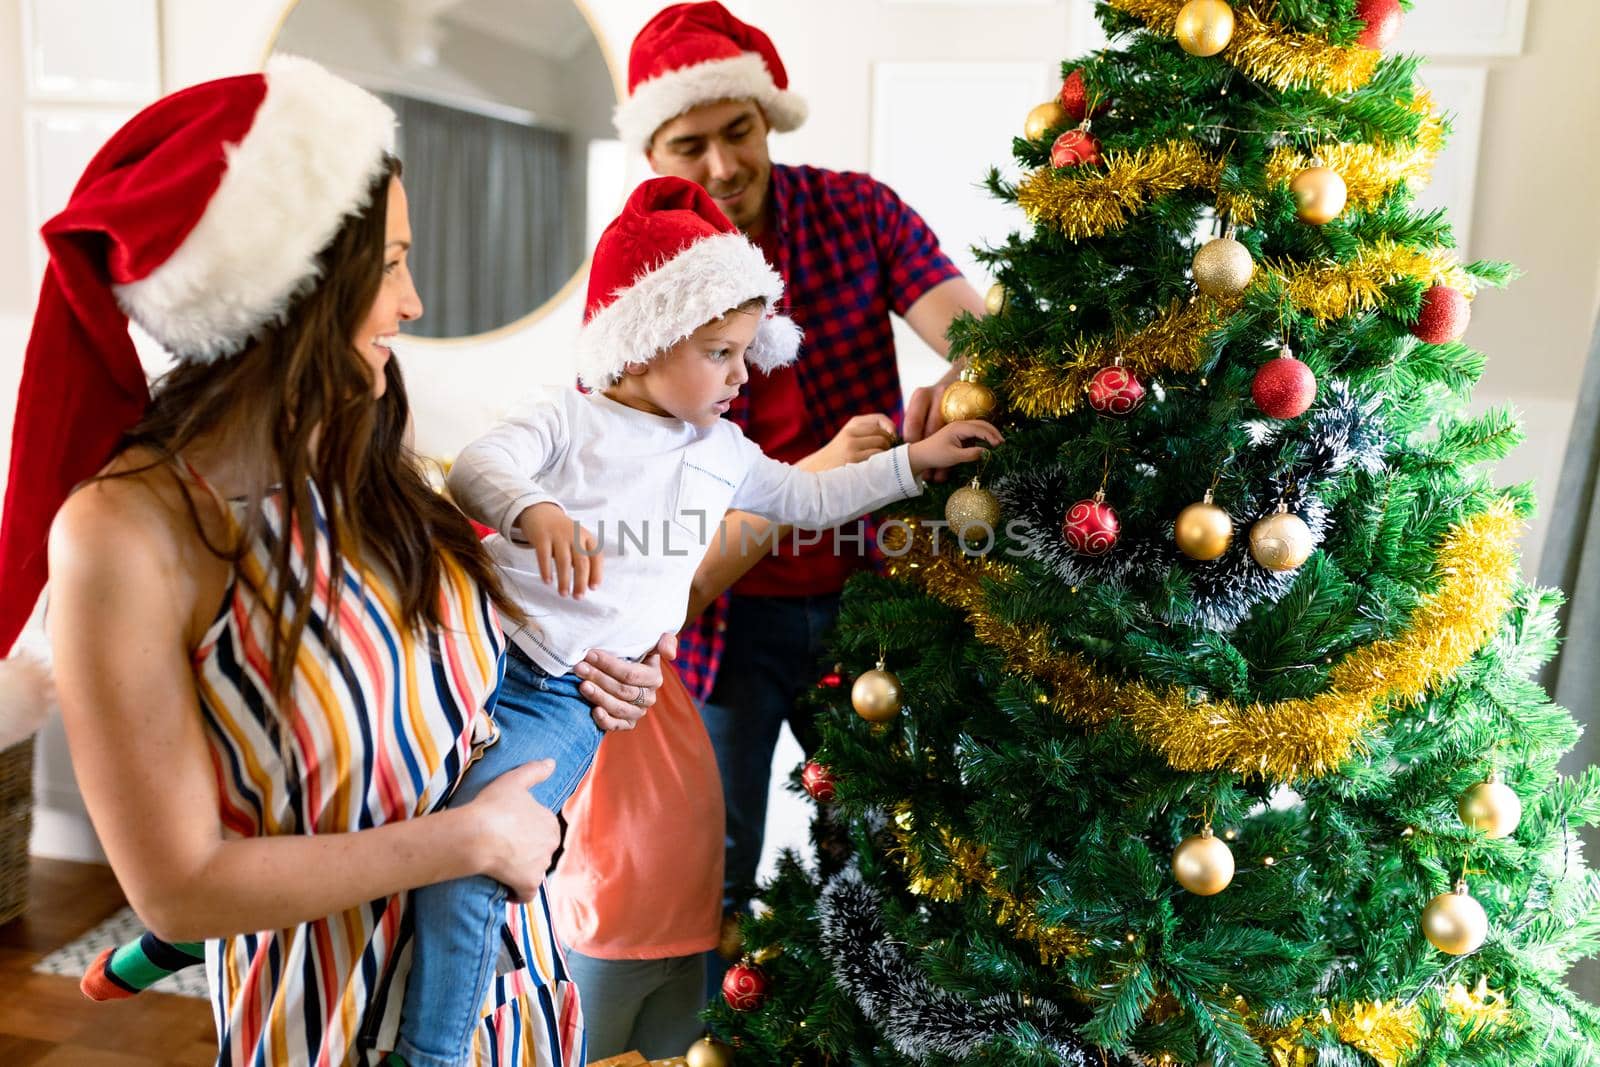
{"type": "Point", "coordinates": [952, 444]}
{"type": "Point", "coordinates": [567, 552]}
{"type": "Point", "coordinates": [862, 438]}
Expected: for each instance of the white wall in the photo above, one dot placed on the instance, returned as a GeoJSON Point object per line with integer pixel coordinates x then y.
{"type": "Point", "coordinates": [1533, 182]}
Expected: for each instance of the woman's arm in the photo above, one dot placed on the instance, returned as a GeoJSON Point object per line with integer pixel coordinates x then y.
{"type": "Point", "coordinates": [123, 600]}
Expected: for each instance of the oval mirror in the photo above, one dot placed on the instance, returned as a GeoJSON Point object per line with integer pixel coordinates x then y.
{"type": "Point", "coordinates": [505, 133]}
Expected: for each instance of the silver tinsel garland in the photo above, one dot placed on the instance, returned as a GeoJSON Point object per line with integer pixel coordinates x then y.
{"type": "Point", "coordinates": [1343, 433]}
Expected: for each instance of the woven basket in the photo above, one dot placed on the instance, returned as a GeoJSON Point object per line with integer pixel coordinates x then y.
{"type": "Point", "coordinates": [16, 819]}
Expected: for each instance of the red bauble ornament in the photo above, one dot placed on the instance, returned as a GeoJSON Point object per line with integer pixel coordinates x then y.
{"type": "Point", "coordinates": [818, 782]}
{"type": "Point", "coordinates": [1115, 391]}
{"type": "Point", "coordinates": [745, 987]}
{"type": "Point", "coordinates": [1284, 387]}
{"type": "Point", "coordinates": [1383, 22]}
{"type": "Point", "coordinates": [1075, 148]}
{"type": "Point", "coordinates": [831, 680]}
{"type": "Point", "coordinates": [1075, 98]}
{"type": "Point", "coordinates": [1444, 318]}
{"type": "Point", "coordinates": [1091, 526]}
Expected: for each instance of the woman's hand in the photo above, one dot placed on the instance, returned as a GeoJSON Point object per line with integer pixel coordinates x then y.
{"type": "Point", "coordinates": [953, 444]}
{"type": "Point", "coordinates": [517, 834]}
{"type": "Point", "coordinates": [568, 554]}
{"type": "Point", "coordinates": [620, 690]}
{"type": "Point", "coordinates": [863, 437]}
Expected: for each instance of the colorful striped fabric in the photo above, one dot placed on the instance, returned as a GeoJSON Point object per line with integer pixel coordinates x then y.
{"type": "Point", "coordinates": [380, 724]}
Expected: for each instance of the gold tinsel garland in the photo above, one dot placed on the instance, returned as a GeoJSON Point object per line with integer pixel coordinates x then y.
{"type": "Point", "coordinates": [1370, 171]}
{"type": "Point", "coordinates": [1281, 742]}
{"type": "Point", "coordinates": [1103, 201]}
{"type": "Point", "coordinates": [1038, 387]}
{"type": "Point", "coordinates": [1174, 340]}
{"type": "Point", "coordinates": [967, 867]}
{"type": "Point", "coordinates": [1332, 290]}
{"type": "Point", "coordinates": [1388, 1031]}
{"type": "Point", "coordinates": [1269, 52]}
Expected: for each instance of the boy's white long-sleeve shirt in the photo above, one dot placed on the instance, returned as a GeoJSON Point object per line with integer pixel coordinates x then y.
{"type": "Point", "coordinates": [652, 490]}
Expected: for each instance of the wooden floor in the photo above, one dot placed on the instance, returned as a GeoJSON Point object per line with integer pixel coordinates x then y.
{"type": "Point", "coordinates": [46, 1022]}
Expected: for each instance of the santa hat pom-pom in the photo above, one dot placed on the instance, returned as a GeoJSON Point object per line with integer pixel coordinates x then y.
{"type": "Point", "coordinates": [26, 697]}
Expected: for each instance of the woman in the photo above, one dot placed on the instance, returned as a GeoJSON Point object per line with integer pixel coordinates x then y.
{"type": "Point", "coordinates": [274, 646]}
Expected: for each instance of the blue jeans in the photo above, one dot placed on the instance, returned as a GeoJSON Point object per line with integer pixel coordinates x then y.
{"type": "Point", "coordinates": [458, 923]}
{"type": "Point", "coordinates": [649, 1005]}
{"type": "Point", "coordinates": [770, 657]}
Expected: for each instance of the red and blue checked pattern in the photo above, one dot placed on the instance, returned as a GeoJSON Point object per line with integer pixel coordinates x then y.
{"type": "Point", "coordinates": [378, 727]}
{"type": "Point", "coordinates": [850, 252]}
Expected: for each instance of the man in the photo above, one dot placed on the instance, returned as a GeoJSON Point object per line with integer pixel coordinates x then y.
{"type": "Point", "coordinates": [705, 90]}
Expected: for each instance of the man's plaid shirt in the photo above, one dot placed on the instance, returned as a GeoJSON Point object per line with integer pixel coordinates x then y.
{"type": "Point", "coordinates": [850, 252]}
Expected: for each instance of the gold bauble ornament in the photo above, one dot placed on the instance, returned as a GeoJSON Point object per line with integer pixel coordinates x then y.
{"type": "Point", "coordinates": [1202, 864]}
{"type": "Point", "coordinates": [994, 301]}
{"type": "Point", "coordinates": [1454, 922]}
{"type": "Point", "coordinates": [1044, 118]}
{"type": "Point", "coordinates": [708, 1052]}
{"type": "Point", "coordinates": [966, 399]}
{"type": "Point", "coordinates": [1203, 531]}
{"type": "Point", "coordinates": [1491, 806]}
{"type": "Point", "coordinates": [973, 513]}
{"type": "Point", "coordinates": [1223, 267]}
{"type": "Point", "coordinates": [1319, 195]}
{"type": "Point", "coordinates": [876, 695]}
{"type": "Point", "coordinates": [730, 939]}
{"type": "Point", "coordinates": [1280, 542]}
{"type": "Point", "coordinates": [1204, 27]}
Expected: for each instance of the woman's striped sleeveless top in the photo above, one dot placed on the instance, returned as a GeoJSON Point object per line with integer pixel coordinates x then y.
{"type": "Point", "coordinates": [379, 725]}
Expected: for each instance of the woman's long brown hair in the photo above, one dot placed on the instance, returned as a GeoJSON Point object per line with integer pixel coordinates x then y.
{"type": "Point", "coordinates": [302, 396]}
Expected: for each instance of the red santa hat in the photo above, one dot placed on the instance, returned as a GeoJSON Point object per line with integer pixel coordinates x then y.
{"type": "Point", "coordinates": [202, 220]}
{"type": "Point", "coordinates": [666, 266]}
{"type": "Point", "coordinates": [693, 54]}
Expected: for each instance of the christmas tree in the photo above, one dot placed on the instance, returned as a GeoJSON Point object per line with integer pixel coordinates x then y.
{"type": "Point", "coordinates": [1222, 749]}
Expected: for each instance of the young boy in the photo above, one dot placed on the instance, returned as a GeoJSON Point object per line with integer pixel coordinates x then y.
{"type": "Point", "coordinates": [629, 482]}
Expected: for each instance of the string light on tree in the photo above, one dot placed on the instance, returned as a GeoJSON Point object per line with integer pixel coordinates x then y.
{"type": "Point", "coordinates": [1223, 267]}
{"type": "Point", "coordinates": [708, 1052]}
{"type": "Point", "coordinates": [1044, 118]}
{"type": "Point", "coordinates": [1203, 531]}
{"type": "Point", "coordinates": [1091, 526]}
{"type": "Point", "coordinates": [1444, 316]}
{"type": "Point", "coordinates": [1454, 922]}
{"type": "Point", "coordinates": [1204, 27]}
{"type": "Point", "coordinates": [1280, 541]}
{"type": "Point", "coordinates": [1203, 864]}
{"type": "Point", "coordinates": [1076, 147]}
{"type": "Point", "coordinates": [1492, 807]}
{"type": "Point", "coordinates": [1382, 19]}
{"type": "Point", "coordinates": [877, 694]}
{"type": "Point", "coordinates": [1319, 195]}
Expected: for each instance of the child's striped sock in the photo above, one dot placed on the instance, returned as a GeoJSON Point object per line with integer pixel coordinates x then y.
{"type": "Point", "coordinates": [123, 971]}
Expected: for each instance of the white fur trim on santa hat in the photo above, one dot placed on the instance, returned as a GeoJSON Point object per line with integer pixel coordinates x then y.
{"type": "Point", "coordinates": [666, 96]}
{"type": "Point", "coordinates": [27, 696]}
{"type": "Point", "coordinates": [663, 306]}
{"type": "Point", "coordinates": [307, 163]}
